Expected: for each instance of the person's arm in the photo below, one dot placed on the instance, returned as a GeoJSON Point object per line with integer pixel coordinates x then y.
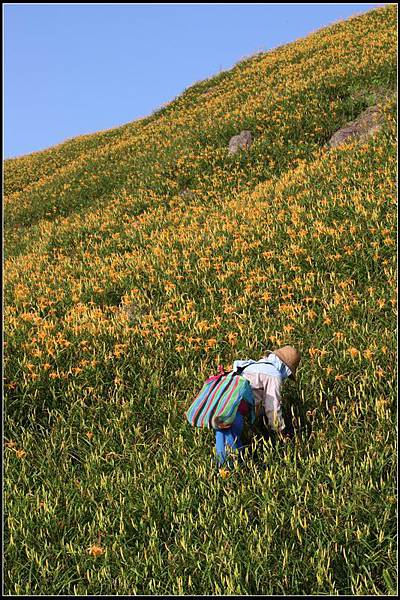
{"type": "Point", "coordinates": [272, 403]}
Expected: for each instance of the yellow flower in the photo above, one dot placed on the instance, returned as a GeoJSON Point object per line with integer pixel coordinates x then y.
{"type": "Point", "coordinates": [353, 352]}
{"type": "Point", "coordinates": [224, 473]}
{"type": "Point", "coordinates": [20, 453]}
{"type": "Point", "coordinates": [95, 550]}
{"type": "Point", "coordinates": [288, 328]}
{"type": "Point", "coordinates": [203, 326]}
{"type": "Point", "coordinates": [232, 338]}
{"type": "Point", "coordinates": [210, 343]}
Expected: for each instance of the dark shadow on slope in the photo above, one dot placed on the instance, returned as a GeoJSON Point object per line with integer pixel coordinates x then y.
{"type": "Point", "coordinates": [298, 427]}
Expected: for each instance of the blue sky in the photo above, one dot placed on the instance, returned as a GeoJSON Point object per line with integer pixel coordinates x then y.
{"type": "Point", "coordinates": [72, 69]}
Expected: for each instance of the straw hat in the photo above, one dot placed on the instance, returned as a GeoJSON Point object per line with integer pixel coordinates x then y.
{"type": "Point", "coordinates": [291, 357]}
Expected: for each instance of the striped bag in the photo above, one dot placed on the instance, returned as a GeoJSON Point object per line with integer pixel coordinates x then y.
{"type": "Point", "coordinates": [217, 402]}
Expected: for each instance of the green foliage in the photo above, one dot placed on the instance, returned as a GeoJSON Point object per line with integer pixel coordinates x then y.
{"type": "Point", "coordinates": [140, 258]}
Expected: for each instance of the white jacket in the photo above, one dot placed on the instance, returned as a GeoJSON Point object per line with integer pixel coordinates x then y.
{"type": "Point", "coordinates": [266, 381]}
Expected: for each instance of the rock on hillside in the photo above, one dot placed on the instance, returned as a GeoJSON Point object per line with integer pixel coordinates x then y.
{"type": "Point", "coordinates": [367, 124]}
{"type": "Point", "coordinates": [243, 140]}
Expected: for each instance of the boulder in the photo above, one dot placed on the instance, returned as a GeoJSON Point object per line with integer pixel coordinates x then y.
{"type": "Point", "coordinates": [367, 124]}
{"type": "Point", "coordinates": [241, 141]}
{"type": "Point", "coordinates": [187, 194]}
{"type": "Point", "coordinates": [127, 310]}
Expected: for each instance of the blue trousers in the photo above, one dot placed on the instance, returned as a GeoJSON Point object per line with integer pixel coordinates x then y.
{"type": "Point", "coordinates": [229, 439]}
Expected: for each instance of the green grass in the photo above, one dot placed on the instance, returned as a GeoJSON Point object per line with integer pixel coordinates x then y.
{"type": "Point", "coordinates": [290, 242]}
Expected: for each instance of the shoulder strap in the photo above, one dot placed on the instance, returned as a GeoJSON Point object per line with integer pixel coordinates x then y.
{"type": "Point", "coordinates": [241, 369]}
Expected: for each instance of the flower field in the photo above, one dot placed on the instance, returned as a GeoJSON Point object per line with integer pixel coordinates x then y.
{"type": "Point", "coordinates": [139, 259]}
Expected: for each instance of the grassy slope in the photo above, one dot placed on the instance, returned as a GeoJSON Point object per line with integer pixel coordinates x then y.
{"type": "Point", "coordinates": [289, 243]}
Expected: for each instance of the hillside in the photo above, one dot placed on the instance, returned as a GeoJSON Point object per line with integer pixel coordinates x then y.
{"type": "Point", "coordinates": [137, 260]}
